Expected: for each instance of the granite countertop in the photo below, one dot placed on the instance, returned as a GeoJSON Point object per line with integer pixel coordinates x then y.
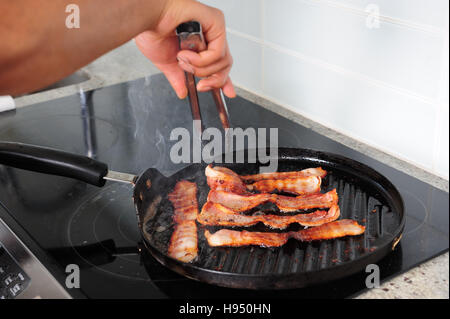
{"type": "Point", "coordinates": [126, 63]}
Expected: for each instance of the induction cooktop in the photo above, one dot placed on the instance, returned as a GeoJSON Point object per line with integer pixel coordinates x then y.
{"type": "Point", "coordinates": [65, 222]}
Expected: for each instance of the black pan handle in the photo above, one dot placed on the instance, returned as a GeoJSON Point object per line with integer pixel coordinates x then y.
{"type": "Point", "coordinates": [54, 162]}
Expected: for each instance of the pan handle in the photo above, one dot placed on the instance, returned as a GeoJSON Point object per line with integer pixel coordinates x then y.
{"type": "Point", "coordinates": [54, 162]}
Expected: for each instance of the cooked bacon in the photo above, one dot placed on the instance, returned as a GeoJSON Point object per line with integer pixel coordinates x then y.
{"type": "Point", "coordinates": [336, 229]}
{"type": "Point", "coordinates": [232, 238]}
{"type": "Point", "coordinates": [318, 171]}
{"type": "Point", "coordinates": [319, 200]}
{"type": "Point", "coordinates": [214, 214]}
{"type": "Point", "coordinates": [222, 178]}
{"type": "Point", "coordinates": [237, 202]}
{"type": "Point", "coordinates": [299, 185]}
{"type": "Point", "coordinates": [183, 243]}
{"type": "Point", "coordinates": [241, 203]}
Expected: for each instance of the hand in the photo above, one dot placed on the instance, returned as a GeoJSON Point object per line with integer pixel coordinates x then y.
{"type": "Point", "coordinates": [160, 45]}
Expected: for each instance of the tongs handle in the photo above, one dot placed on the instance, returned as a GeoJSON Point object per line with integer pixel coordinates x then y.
{"type": "Point", "coordinates": [191, 37]}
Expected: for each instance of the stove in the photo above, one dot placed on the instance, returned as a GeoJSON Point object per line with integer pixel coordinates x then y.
{"type": "Point", "coordinates": [48, 224]}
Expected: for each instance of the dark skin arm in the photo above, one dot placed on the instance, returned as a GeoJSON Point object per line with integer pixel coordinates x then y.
{"type": "Point", "coordinates": [37, 48]}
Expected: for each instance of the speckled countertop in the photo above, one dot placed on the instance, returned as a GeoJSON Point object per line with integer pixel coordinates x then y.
{"type": "Point", "coordinates": [429, 280]}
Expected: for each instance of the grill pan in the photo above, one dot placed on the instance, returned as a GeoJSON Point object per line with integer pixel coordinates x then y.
{"type": "Point", "coordinates": [364, 195]}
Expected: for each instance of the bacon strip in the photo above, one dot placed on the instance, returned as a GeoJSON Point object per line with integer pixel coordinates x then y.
{"type": "Point", "coordinates": [217, 215]}
{"type": "Point", "coordinates": [237, 202]}
{"type": "Point", "coordinates": [299, 185]}
{"type": "Point", "coordinates": [222, 178]}
{"type": "Point", "coordinates": [232, 238]}
{"type": "Point", "coordinates": [240, 203]}
{"type": "Point", "coordinates": [318, 171]}
{"type": "Point", "coordinates": [336, 229]}
{"type": "Point", "coordinates": [319, 200]}
{"type": "Point", "coordinates": [183, 243]}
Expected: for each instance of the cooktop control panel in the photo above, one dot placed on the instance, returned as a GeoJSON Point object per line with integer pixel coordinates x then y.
{"type": "Point", "coordinates": [13, 280]}
{"type": "Point", "coordinates": [22, 274]}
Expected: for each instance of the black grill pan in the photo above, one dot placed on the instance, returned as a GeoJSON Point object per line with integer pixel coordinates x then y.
{"type": "Point", "coordinates": [364, 195]}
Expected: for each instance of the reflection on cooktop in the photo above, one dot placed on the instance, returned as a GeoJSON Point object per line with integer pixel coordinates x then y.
{"type": "Point", "coordinates": [418, 211]}
{"type": "Point", "coordinates": [109, 214]}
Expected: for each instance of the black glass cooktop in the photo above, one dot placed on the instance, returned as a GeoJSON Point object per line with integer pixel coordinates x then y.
{"type": "Point", "coordinates": [128, 126]}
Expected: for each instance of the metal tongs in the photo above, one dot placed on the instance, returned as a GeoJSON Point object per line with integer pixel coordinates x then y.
{"type": "Point", "coordinates": [190, 36]}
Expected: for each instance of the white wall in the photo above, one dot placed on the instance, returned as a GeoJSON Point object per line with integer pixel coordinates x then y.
{"type": "Point", "coordinates": [326, 59]}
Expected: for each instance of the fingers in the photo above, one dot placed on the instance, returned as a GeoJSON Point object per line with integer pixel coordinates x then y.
{"type": "Point", "coordinates": [202, 70]}
{"type": "Point", "coordinates": [215, 58]}
{"type": "Point", "coordinates": [213, 64]}
{"type": "Point", "coordinates": [218, 80]}
{"type": "Point", "coordinates": [176, 78]}
{"type": "Point", "coordinates": [216, 51]}
{"type": "Point", "coordinates": [228, 89]}
{"type": "Point", "coordinates": [162, 52]}
{"type": "Point", "coordinates": [216, 73]}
